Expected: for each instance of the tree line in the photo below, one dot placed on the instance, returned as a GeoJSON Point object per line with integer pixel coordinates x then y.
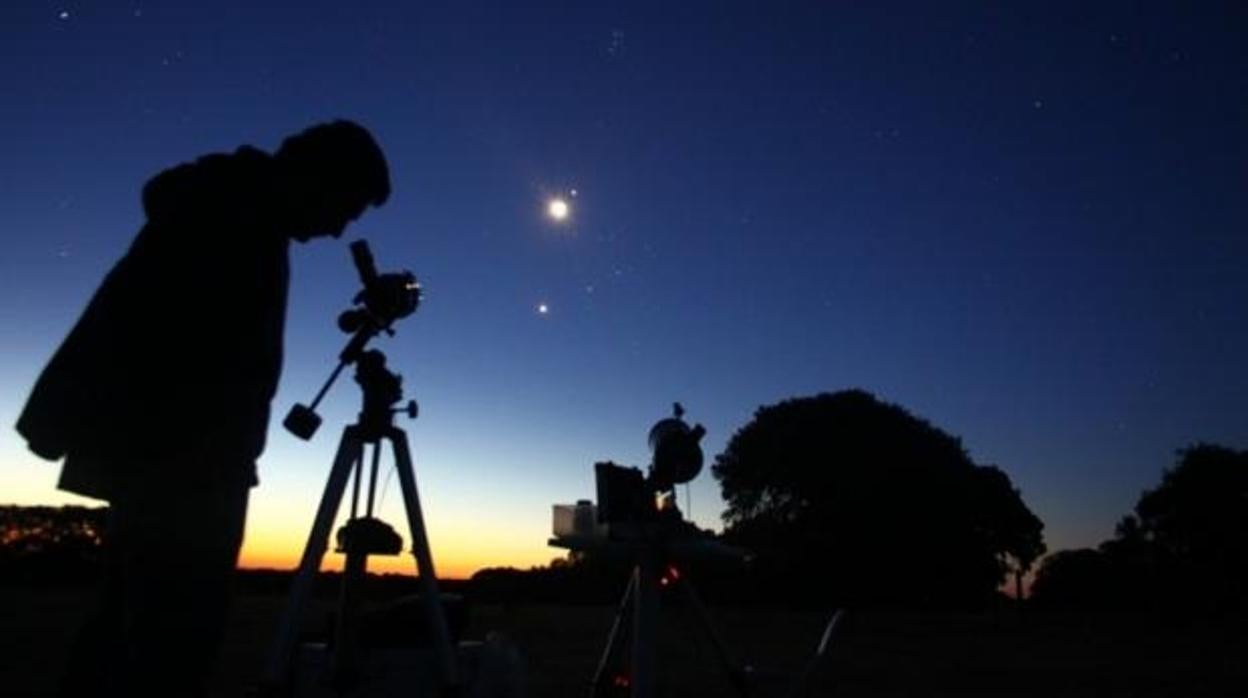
{"type": "Point", "coordinates": [848, 500]}
{"type": "Point", "coordinates": [845, 499]}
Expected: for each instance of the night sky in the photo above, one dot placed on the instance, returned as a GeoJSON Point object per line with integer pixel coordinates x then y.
{"type": "Point", "coordinates": [1028, 226]}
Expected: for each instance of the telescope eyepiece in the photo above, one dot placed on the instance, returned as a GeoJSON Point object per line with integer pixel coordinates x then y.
{"type": "Point", "coordinates": [364, 263]}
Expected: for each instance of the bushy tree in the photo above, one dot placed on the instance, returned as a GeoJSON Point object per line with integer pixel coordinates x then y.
{"type": "Point", "coordinates": [842, 495]}
{"type": "Point", "coordinates": [1014, 533]}
{"type": "Point", "coordinates": [1184, 548]}
{"type": "Point", "coordinates": [1081, 579]}
{"type": "Point", "coordinates": [1194, 527]}
{"type": "Point", "coordinates": [1199, 513]}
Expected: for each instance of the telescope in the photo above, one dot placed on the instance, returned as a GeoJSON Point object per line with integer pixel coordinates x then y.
{"type": "Point", "coordinates": [636, 518]}
{"type": "Point", "coordinates": [626, 498]}
{"type": "Point", "coordinates": [384, 300]}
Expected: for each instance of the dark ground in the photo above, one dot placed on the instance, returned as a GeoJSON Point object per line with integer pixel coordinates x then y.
{"type": "Point", "coordinates": [876, 654]}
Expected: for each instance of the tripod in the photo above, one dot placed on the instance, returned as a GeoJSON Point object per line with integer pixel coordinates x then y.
{"type": "Point", "coordinates": [638, 613]}
{"type": "Point", "coordinates": [364, 535]}
{"type": "Point", "coordinates": [654, 568]}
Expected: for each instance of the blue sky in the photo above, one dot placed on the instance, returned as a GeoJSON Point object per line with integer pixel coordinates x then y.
{"type": "Point", "coordinates": [1025, 224]}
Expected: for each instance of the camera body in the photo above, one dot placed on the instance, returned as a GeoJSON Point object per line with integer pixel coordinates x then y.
{"type": "Point", "coordinates": [384, 299]}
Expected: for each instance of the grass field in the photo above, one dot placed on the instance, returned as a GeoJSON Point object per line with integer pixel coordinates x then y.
{"type": "Point", "coordinates": [876, 654]}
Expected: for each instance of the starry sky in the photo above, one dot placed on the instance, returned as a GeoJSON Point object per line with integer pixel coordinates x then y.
{"type": "Point", "coordinates": [1028, 225]}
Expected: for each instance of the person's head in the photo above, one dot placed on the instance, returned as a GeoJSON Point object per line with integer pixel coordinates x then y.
{"type": "Point", "coordinates": [332, 172]}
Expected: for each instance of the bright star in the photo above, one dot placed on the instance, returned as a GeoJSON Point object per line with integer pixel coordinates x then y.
{"type": "Point", "coordinates": [558, 209]}
{"type": "Point", "coordinates": [542, 309]}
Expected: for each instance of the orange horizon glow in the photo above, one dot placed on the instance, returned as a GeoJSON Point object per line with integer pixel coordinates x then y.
{"type": "Point", "coordinates": [275, 539]}
{"type": "Point", "coordinates": [458, 551]}
{"type": "Point", "coordinates": [404, 563]}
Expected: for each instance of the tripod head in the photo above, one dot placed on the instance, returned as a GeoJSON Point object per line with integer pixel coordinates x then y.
{"type": "Point", "coordinates": [384, 300]}
{"type": "Point", "coordinates": [382, 389]}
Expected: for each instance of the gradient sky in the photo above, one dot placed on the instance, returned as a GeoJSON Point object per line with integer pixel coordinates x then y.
{"type": "Point", "coordinates": [1029, 226]}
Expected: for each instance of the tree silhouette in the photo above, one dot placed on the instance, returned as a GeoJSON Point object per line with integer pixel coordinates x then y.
{"type": "Point", "coordinates": [1014, 532]}
{"type": "Point", "coordinates": [1185, 547]}
{"type": "Point", "coordinates": [1081, 579]}
{"type": "Point", "coordinates": [841, 494]}
{"type": "Point", "coordinates": [1195, 523]}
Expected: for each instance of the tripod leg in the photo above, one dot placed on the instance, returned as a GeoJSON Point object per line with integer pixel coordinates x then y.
{"type": "Point", "coordinates": [645, 625]}
{"type": "Point", "coordinates": [344, 661]}
{"type": "Point", "coordinates": [350, 449]}
{"type": "Point", "coordinates": [626, 604]}
{"type": "Point", "coordinates": [721, 650]}
{"type": "Point", "coordinates": [802, 687]}
{"type": "Point", "coordinates": [424, 560]}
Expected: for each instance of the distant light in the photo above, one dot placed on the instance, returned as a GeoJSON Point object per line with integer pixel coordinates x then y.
{"type": "Point", "coordinates": [558, 209]}
{"type": "Point", "coordinates": [64, 15]}
{"type": "Point", "coordinates": [543, 309]}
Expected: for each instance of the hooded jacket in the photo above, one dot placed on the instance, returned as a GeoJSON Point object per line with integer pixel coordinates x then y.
{"type": "Point", "coordinates": [177, 356]}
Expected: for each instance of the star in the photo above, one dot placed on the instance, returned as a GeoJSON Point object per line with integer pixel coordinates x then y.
{"type": "Point", "coordinates": [558, 209]}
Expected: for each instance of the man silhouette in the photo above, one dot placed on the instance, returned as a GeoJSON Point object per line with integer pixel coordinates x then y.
{"type": "Point", "coordinates": [158, 400]}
